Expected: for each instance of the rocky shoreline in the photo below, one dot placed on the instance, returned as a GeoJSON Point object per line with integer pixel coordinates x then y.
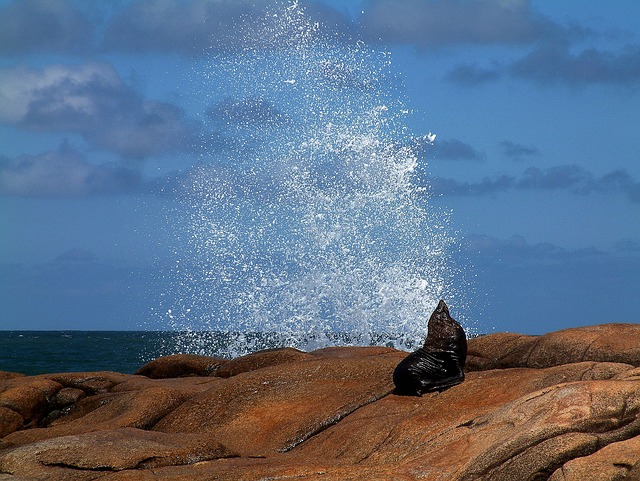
{"type": "Point", "coordinates": [564, 406]}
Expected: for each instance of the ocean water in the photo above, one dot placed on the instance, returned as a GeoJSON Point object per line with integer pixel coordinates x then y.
{"type": "Point", "coordinates": [43, 352]}
{"type": "Point", "coordinates": [39, 352]}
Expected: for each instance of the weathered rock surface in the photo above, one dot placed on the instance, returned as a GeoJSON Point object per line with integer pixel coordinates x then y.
{"type": "Point", "coordinates": [564, 406]}
{"type": "Point", "coordinates": [603, 343]}
{"type": "Point", "coordinates": [181, 365]}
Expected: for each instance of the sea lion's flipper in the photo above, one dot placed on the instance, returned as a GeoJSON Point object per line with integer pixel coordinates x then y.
{"type": "Point", "coordinates": [423, 371]}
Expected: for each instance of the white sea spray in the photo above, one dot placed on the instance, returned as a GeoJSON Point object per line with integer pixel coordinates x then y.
{"type": "Point", "coordinates": [307, 222]}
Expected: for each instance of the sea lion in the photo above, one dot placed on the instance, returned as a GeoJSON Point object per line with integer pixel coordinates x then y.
{"type": "Point", "coordinates": [439, 363]}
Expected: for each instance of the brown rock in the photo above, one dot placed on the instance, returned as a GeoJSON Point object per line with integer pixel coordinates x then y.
{"type": "Point", "coordinates": [89, 382]}
{"type": "Point", "coordinates": [261, 359]}
{"type": "Point", "coordinates": [28, 396]}
{"type": "Point", "coordinates": [398, 427]}
{"type": "Point", "coordinates": [90, 455]}
{"type": "Point", "coordinates": [474, 431]}
{"type": "Point", "coordinates": [352, 352]}
{"type": "Point", "coordinates": [139, 409]}
{"type": "Point", "coordinates": [615, 461]}
{"type": "Point", "coordinates": [181, 365]}
{"type": "Point", "coordinates": [498, 351]}
{"type": "Point", "coordinates": [277, 407]}
{"type": "Point", "coordinates": [532, 436]}
{"type": "Point", "coordinates": [603, 343]}
{"type": "Point", "coordinates": [327, 416]}
{"type": "Point", "coordinates": [187, 385]}
{"type": "Point", "coordinates": [10, 421]}
{"type": "Point", "coordinates": [280, 467]}
{"type": "Point", "coordinates": [67, 396]}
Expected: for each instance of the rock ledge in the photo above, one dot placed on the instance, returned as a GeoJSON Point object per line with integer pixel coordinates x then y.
{"type": "Point", "coordinates": [564, 406]}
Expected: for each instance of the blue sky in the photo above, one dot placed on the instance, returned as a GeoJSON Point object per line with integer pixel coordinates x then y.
{"type": "Point", "coordinates": [537, 153]}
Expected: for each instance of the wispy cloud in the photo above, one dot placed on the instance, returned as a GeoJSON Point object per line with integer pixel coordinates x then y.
{"type": "Point", "coordinates": [517, 249]}
{"type": "Point", "coordinates": [628, 246]}
{"type": "Point", "coordinates": [542, 50]}
{"type": "Point", "coordinates": [571, 178]}
{"type": "Point", "coordinates": [434, 24]}
{"type": "Point", "coordinates": [518, 151]}
{"type": "Point", "coordinates": [182, 27]}
{"type": "Point", "coordinates": [63, 173]}
{"type": "Point", "coordinates": [559, 177]}
{"type": "Point", "coordinates": [555, 61]}
{"type": "Point", "coordinates": [486, 186]}
{"type": "Point", "coordinates": [185, 27]}
{"type": "Point", "coordinates": [552, 63]}
{"type": "Point", "coordinates": [91, 100]}
{"type": "Point", "coordinates": [38, 26]}
{"type": "Point", "coordinates": [196, 27]}
{"type": "Point", "coordinates": [474, 74]}
{"type": "Point", "coordinates": [454, 149]}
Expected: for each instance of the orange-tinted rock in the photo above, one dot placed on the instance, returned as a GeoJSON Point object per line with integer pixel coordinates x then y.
{"type": "Point", "coordinates": [351, 352]}
{"type": "Point", "coordinates": [616, 461]}
{"type": "Point", "coordinates": [498, 351]}
{"type": "Point", "coordinates": [328, 416]}
{"type": "Point", "coordinates": [260, 359]}
{"type": "Point", "coordinates": [187, 385]}
{"type": "Point", "coordinates": [181, 365]}
{"type": "Point", "coordinates": [10, 421]}
{"type": "Point", "coordinates": [602, 343]}
{"type": "Point", "coordinates": [402, 427]}
{"type": "Point", "coordinates": [30, 397]}
{"type": "Point", "coordinates": [89, 382]}
{"type": "Point", "coordinates": [90, 455]}
{"type": "Point", "coordinates": [277, 407]}
{"type": "Point", "coordinates": [67, 396]}
{"type": "Point", "coordinates": [606, 342]}
{"type": "Point", "coordinates": [251, 469]}
{"type": "Point", "coordinates": [139, 409]}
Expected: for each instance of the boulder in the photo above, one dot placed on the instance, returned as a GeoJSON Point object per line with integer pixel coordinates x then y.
{"type": "Point", "coordinates": [89, 382]}
{"type": "Point", "coordinates": [260, 359]}
{"type": "Point", "coordinates": [181, 365]}
{"type": "Point", "coordinates": [351, 351]}
{"type": "Point", "coordinates": [603, 343]}
{"type": "Point", "coordinates": [29, 397]}
{"type": "Point", "coordinates": [91, 455]}
{"type": "Point", "coordinates": [10, 421]}
{"type": "Point", "coordinates": [188, 385]}
{"type": "Point", "coordinates": [619, 460]}
{"type": "Point", "coordinates": [139, 409]}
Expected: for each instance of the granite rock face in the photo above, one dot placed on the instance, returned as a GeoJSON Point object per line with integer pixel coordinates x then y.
{"type": "Point", "coordinates": [603, 343]}
{"type": "Point", "coordinates": [564, 406]}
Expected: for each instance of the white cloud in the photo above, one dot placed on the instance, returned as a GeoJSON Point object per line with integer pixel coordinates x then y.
{"type": "Point", "coordinates": [91, 100]}
{"type": "Point", "coordinates": [42, 25]}
{"type": "Point", "coordinates": [428, 23]}
{"type": "Point", "coordinates": [21, 86]}
{"type": "Point", "coordinates": [62, 173]}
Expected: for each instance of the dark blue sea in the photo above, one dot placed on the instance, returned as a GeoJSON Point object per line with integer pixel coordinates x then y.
{"type": "Point", "coordinates": [38, 352]}
{"type": "Point", "coordinates": [42, 352]}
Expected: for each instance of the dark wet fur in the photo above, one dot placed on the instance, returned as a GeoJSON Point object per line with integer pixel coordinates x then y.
{"type": "Point", "coordinates": [439, 363]}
